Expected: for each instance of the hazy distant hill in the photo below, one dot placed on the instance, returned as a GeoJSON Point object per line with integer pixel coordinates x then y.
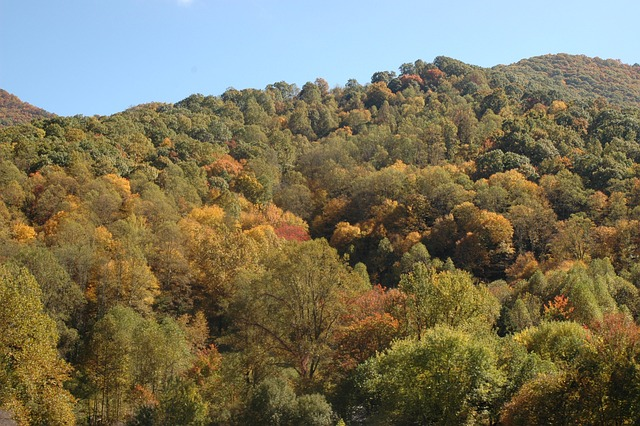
{"type": "Point", "coordinates": [577, 76]}
{"type": "Point", "coordinates": [14, 111]}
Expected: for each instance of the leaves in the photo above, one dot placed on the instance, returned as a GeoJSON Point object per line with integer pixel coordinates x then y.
{"type": "Point", "coordinates": [446, 298]}
{"type": "Point", "coordinates": [159, 231]}
{"type": "Point", "coordinates": [32, 375]}
{"type": "Point", "coordinates": [295, 303]}
{"type": "Point", "coordinates": [443, 378]}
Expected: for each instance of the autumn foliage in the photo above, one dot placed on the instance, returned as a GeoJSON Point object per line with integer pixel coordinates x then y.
{"type": "Point", "coordinates": [448, 244]}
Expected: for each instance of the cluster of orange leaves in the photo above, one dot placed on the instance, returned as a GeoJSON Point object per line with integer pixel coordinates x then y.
{"type": "Point", "coordinates": [372, 323]}
{"type": "Point", "coordinates": [559, 308]}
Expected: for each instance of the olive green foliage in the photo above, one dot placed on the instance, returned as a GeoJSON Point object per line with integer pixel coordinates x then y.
{"type": "Point", "coordinates": [31, 372]}
{"type": "Point", "coordinates": [274, 402]}
{"type": "Point", "coordinates": [294, 305]}
{"type": "Point", "coordinates": [583, 77]}
{"type": "Point", "coordinates": [322, 254]}
{"type": "Point", "coordinates": [445, 378]}
{"type": "Point", "coordinates": [447, 298]}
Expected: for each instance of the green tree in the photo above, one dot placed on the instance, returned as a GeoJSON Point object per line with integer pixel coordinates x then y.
{"type": "Point", "coordinates": [313, 410]}
{"type": "Point", "coordinates": [122, 274]}
{"type": "Point", "coordinates": [295, 303]}
{"type": "Point", "coordinates": [182, 404]}
{"type": "Point", "coordinates": [545, 400]}
{"type": "Point", "coordinates": [31, 373]}
{"type": "Point", "coordinates": [446, 298]}
{"type": "Point", "coordinates": [595, 383]}
{"type": "Point", "coordinates": [109, 367]}
{"type": "Point", "coordinates": [159, 354]}
{"type": "Point", "coordinates": [524, 313]}
{"type": "Point", "coordinates": [566, 193]}
{"type": "Point", "coordinates": [490, 163]}
{"type": "Point", "coordinates": [271, 403]}
{"type": "Point", "coordinates": [574, 239]}
{"type": "Point", "coordinates": [446, 378]}
{"type": "Point", "coordinates": [299, 122]}
{"type": "Point", "coordinates": [62, 299]}
{"type": "Point", "coordinates": [169, 263]}
{"type": "Point", "coordinates": [556, 341]}
{"type": "Point", "coordinates": [217, 252]}
{"type": "Point", "coordinates": [127, 352]}
{"type": "Point", "coordinates": [534, 226]}
{"type": "Point", "coordinates": [274, 402]}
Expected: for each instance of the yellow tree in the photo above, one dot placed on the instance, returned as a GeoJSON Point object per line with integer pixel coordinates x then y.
{"type": "Point", "coordinates": [449, 298]}
{"type": "Point", "coordinates": [121, 274]}
{"type": "Point", "coordinates": [574, 239]}
{"type": "Point", "coordinates": [294, 305]}
{"type": "Point", "coordinates": [31, 372]}
{"type": "Point", "coordinates": [480, 241]}
{"type": "Point", "coordinates": [217, 252]}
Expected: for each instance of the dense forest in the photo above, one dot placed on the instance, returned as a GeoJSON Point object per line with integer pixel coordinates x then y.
{"type": "Point", "coordinates": [446, 244]}
{"type": "Point", "coordinates": [579, 77]}
{"type": "Point", "coordinates": [14, 111]}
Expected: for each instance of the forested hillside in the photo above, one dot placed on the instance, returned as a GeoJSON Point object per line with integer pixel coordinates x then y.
{"type": "Point", "coordinates": [578, 76]}
{"type": "Point", "coordinates": [443, 245]}
{"type": "Point", "coordinates": [14, 111]}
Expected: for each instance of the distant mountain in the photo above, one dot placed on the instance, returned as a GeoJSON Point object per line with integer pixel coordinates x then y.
{"type": "Point", "coordinates": [576, 76]}
{"type": "Point", "coordinates": [14, 111]}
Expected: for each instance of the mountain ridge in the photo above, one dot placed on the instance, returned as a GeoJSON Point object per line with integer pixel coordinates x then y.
{"type": "Point", "coordinates": [15, 111]}
{"type": "Point", "coordinates": [569, 76]}
{"type": "Point", "coordinates": [579, 76]}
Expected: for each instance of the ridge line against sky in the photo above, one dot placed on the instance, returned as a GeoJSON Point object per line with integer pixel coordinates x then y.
{"type": "Point", "coordinates": [100, 57]}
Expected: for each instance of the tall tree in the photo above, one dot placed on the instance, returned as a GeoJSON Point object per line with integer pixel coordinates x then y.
{"type": "Point", "coordinates": [446, 298]}
{"type": "Point", "coordinates": [446, 378]}
{"type": "Point", "coordinates": [295, 303]}
{"type": "Point", "coordinates": [31, 373]}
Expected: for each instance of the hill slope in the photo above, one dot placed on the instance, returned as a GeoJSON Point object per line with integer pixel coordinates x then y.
{"type": "Point", "coordinates": [14, 111]}
{"type": "Point", "coordinates": [206, 261]}
{"type": "Point", "coordinates": [578, 76]}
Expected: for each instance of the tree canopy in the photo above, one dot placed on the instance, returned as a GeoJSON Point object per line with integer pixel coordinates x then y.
{"type": "Point", "coordinates": [447, 244]}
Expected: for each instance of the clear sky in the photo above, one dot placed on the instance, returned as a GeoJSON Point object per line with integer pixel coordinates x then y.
{"type": "Point", "coordinates": [103, 56]}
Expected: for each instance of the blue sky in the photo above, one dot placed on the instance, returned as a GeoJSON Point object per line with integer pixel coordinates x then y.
{"type": "Point", "coordinates": [103, 56]}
